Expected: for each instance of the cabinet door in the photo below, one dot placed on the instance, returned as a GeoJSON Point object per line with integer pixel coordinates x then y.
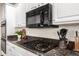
{"type": "Point", "coordinates": [2, 11]}
{"type": "Point", "coordinates": [21, 15]}
{"type": "Point", "coordinates": [10, 19]}
{"type": "Point", "coordinates": [30, 6]}
{"type": "Point", "coordinates": [66, 12]}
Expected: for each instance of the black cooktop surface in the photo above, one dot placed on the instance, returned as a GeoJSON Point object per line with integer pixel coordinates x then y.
{"type": "Point", "coordinates": [42, 45]}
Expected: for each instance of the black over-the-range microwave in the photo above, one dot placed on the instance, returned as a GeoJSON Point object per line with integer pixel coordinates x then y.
{"type": "Point", "coordinates": [40, 17]}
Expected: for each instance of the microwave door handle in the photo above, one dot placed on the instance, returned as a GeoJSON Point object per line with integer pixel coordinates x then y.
{"type": "Point", "coordinates": [41, 17]}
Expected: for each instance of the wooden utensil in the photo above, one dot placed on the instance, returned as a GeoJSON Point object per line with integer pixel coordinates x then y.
{"type": "Point", "coordinates": [76, 42]}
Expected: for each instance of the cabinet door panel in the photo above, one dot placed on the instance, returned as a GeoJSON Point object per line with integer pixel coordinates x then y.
{"type": "Point", "coordinates": [21, 15]}
{"type": "Point", "coordinates": [66, 12]}
{"type": "Point", "coordinates": [10, 19]}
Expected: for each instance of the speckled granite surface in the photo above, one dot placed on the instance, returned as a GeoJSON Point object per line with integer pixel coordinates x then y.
{"type": "Point", "coordinates": [54, 52]}
{"type": "Point", "coordinates": [59, 52]}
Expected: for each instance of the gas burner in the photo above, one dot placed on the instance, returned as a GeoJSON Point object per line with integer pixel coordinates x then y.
{"type": "Point", "coordinates": [42, 45]}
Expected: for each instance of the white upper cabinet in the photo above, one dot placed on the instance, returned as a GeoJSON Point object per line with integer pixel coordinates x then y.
{"type": "Point", "coordinates": [31, 6]}
{"type": "Point", "coordinates": [2, 11]}
{"type": "Point", "coordinates": [21, 15]}
{"type": "Point", "coordinates": [10, 13]}
{"type": "Point", "coordinates": [65, 13]}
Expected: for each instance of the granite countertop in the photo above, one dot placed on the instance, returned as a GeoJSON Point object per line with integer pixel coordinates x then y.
{"type": "Point", "coordinates": [59, 52]}
{"type": "Point", "coordinates": [54, 52]}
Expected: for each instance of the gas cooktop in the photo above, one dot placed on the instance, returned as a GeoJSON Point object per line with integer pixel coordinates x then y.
{"type": "Point", "coordinates": [42, 45]}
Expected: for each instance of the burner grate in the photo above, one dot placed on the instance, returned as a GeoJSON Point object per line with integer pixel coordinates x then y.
{"type": "Point", "coordinates": [41, 45]}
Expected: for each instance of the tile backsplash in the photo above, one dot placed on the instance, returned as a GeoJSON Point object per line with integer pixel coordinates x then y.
{"type": "Point", "coordinates": [71, 30]}
{"type": "Point", "coordinates": [43, 32]}
{"type": "Point", "coordinates": [52, 32]}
